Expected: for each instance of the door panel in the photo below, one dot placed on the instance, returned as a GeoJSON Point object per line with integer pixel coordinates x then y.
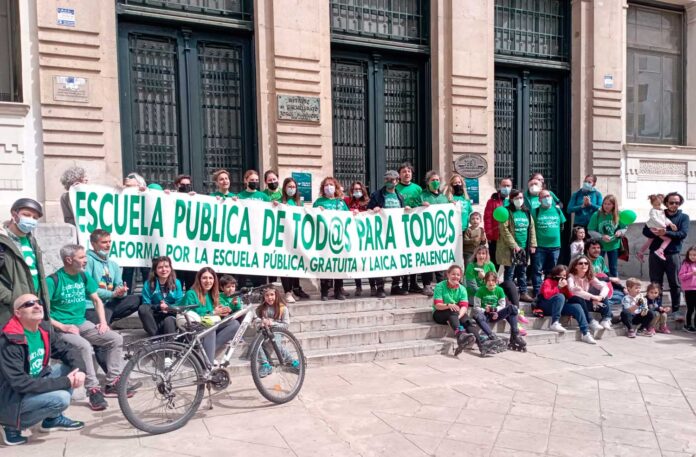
{"type": "Point", "coordinates": [400, 115]}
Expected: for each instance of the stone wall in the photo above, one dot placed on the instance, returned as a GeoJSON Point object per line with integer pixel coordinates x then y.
{"type": "Point", "coordinates": [51, 237]}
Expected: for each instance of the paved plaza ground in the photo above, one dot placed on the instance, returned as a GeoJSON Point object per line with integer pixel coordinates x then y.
{"type": "Point", "coordinates": [620, 398]}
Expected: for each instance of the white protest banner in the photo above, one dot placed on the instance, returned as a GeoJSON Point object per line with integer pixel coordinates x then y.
{"type": "Point", "coordinates": [257, 238]}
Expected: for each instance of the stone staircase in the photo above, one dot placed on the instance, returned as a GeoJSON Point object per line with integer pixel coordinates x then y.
{"type": "Point", "coordinates": [363, 329]}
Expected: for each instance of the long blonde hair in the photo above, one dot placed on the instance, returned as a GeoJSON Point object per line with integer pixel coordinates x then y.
{"type": "Point", "coordinates": [615, 211]}
{"type": "Point", "coordinates": [449, 189]}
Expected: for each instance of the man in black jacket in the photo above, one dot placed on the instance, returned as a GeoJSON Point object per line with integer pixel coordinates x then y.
{"type": "Point", "coordinates": [31, 391]}
{"type": "Point", "coordinates": [657, 267]}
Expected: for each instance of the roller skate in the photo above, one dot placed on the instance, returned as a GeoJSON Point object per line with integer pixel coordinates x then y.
{"type": "Point", "coordinates": [501, 344]}
{"type": "Point", "coordinates": [517, 343]}
{"type": "Point", "coordinates": [464, 341]}
{"type": "Point", "coordinates": [487, 347]}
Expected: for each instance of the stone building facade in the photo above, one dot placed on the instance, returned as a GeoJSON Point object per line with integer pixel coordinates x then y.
{"type": "Point", "coordinates": [349, 88]}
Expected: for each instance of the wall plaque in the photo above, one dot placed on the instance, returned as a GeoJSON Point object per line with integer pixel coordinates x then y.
{"type": "Point", "coordinates": [471, 165]}
{"type": "Point", "coordinates": [70, 89]}
{"type": "Point", "coordinates": [298, 108]}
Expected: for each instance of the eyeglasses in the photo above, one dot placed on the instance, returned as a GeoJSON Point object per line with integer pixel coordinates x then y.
{"type": "Point", "coordinates": [29, 304]}
{"type": "Point", "coordinates": [583, 263]}
{"type": "Point", "coordinates": [131, 176]}
{"type": "Point", "coordinates": [674, 203]}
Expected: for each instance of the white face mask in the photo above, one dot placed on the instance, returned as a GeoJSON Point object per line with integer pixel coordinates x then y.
{"type": "Point", "coordinates": [518, 202]}
{"type": "Point", "coordinates": [329, 190]}
{"type": "Point", "coordinates": [291, 191]}
{"type": "Point", "coordinates": [534, 189]}
{"type": "Point", "coordinates": [357, 194]}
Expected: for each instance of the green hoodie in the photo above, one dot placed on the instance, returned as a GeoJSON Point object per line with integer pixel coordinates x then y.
{"type": "Point", "coordinates": [106, 273]}
{"type": "Point", "coordinates": [15, 276]}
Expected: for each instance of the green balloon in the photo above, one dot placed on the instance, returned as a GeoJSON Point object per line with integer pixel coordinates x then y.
{"type": "Point", "coordinates": [501, 214]}
{"type": "Point", "coordinates": [154, 186]}
{"type": "Point", "coordinates": [627, 216]}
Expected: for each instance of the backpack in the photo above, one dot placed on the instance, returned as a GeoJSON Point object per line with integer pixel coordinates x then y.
{"type": "Point", "coordinates": [55, 278]}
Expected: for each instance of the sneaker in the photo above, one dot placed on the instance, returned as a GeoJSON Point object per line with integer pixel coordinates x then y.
{"type": "Point", "coordinates": [358, 291]}
{"type": "Point", "coordinates": [521, 330]}
{"type": "Point", "coordinates": [660, 254]}
{"type": "Point", "coordinates": [557, 327]}
{"type": "Point", "coordinates": [293, 367]}
{"type": "Point", "coordinates": [631, 333]}
{"type": "Point", "coordinates": [324, 298]}
{"type": "Point", "coordinates": [381, 293]}
{"type": "Point", "coordinates": [12, 436]}
{"type": "Point", "coordinates": [60, 423]}
{"type": "Point", "coordinates": [650, 332]}
{"type": "Point", "coordinates": [594, 326]}
{"type": "Point", "coordinates": [521, 318]}
{"type": "Point", "coordinates": [428, 291]}
{"type": "Point", "coordinates": [111, 390]}
{"type": "Point", "coordinates": [525, 297]}
{"type": "Point", "coordinates": [606, 323]}
{"type": "Point", "coordinates": [97, 402]}
{"type": "Point", "coordinates": [691, 329]}
{"type": "Point", "coordinates": [664, 329]}
{"type": "Point", "coordinates": [373, 291]}
{"type": "Point", "coordinates": [265, 370]}
{"type": "Point", "coordinates": [339, 296]}
{"type": "Point", "coordinates": [415, 289]}
{"type": "Point", "coordinates": [398, 291]}
{"type": "Point", "coordinates": [587, 338]}
{"type": "Point", "coordinates": [301, 294]}
{"type": "Point", "coordinates": [289, 298]}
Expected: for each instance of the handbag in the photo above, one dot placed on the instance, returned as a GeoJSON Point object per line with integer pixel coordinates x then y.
{"type": "Point", "coordinates": [623, 249]}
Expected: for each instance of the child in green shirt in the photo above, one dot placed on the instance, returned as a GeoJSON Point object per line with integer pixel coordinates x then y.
{"type": "Point", "coordinates": [491, 306]}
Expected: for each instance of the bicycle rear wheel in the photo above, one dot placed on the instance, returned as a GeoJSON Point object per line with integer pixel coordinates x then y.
{"type": "Point", "coordinates": [172, 388]}
{"type": "Point", "coordinates": [278, 375]}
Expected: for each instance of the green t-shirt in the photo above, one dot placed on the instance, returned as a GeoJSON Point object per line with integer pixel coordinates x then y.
{"type": "Point", "coordinates": [221, 195]}
{"type": "Point", "coordinates": [473, 282]}
{"type": "Point", "coordinates": [274, 196]}
{"type": "Point", "coordinates": [233, 303]}
{"type": "Point", "coordinates": [466, 209]}
{"type": "Point", "coordinates": [492, 298]}
{"type": "Point", "coordinates": [191, 298]}
{"type": "Point", "coordinates": [600, 266]}
{"type": "Point", "coordinates": [253, 195]}
{"type": "Point", "coordinates": [604, 225]}
{"type": "Point", "coordinates": [391, 200]}
{"type": "Point", "coordinates": [521, 223]}
{"type": "Point", "coordinates": [434, 199]}
{"type": "Point", "coordinates": [331, 203]}
{"type": "Point", "coordinates": [291, 202]}
{"type": "Point", "coordinates": [37, 350]}
{"type": "Point", "coordinates": [547, 223]}
{"type": "Point", "coordinates": [69, 295]}
{"type": "Point", "coordinates": [532, 201]}
{"type": "Point", "coordinates": [411, 194]}
{"type": "Point", "coordinates": [30, 260]}
{"type": "Point", "coordinates": [444, 294]}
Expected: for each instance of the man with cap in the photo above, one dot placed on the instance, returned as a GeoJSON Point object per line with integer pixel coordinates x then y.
{"type": "Point", "coordinates": [387, 197]}
{"type": "Point", "coordinates": [31, 390]}
{"type": "Point", "coordinates": [21, 267]}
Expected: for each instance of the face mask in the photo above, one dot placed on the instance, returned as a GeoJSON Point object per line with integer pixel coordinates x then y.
{"type": "Point", "coordinates": [273, 185]}
{"type": "Point", "coordinates": [185, 188]}
{"type": "Point", "coordinates": [458, 189]}
{"type": "Point", "coordinates": [103, 254]}
{"type": "Point", "coordinates": [587, 186]}
{"type": "Point", "coordinates": [291, 191]}
{"type": "Point", "coordinates": [535, 189]}
{"type": "Point", "coordinates": [329, 190]}
{"type": "Point", "coordinates": [357, 194]}
{"type": "Point", "coordinates": [546, 202]}
{"type": "Point", "coordinates": [505, 191]}
{"type": "Point", "coordinates": [434, 185]}
{"type": "Point", "coordinates": [253, 185]}
{"type": "Point", "coordinates": [27, 224]}
{"type": "Point", "coordinates": [518, 202]}
{"type": "Point", "coordinates": [390, 185]}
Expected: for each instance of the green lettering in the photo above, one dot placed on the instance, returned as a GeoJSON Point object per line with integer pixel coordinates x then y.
{"type": "Point", "coordinates": [156, 223]}
{"type": "Point", "coordinates": [94, 222]}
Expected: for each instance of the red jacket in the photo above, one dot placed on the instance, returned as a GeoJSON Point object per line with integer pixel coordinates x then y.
{"type": "Point", "coordinates": [354, 204]}
{"type": "Point", "coordinates": [549, 288]}
{"type": "Point", "coordinates": [490, 225]}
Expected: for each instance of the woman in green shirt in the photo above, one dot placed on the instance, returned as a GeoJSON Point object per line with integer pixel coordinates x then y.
{"type": "Point", "coordinates": [476, 270]}
{"type": "Point", "coordinates": [331, 198]}
{"type": "Point", "coordinates": [517, 240]}
{"type": "Point", "coordinates": [291, 197]}
{"type": "Point", "coordinates": [432, 195]}
{"type": "Point", "coordinates": [606, 227]}
{"type": "Point", "coordinates": [251, 187]}
{"type": "Point", "coordinates": [206, 294]}
{"type": "Point", "coordinates": [221, 178]}
{"type": "Point", "coordinates": [270, 177]}
{"type": "Point", "coordinates": [456, 192]}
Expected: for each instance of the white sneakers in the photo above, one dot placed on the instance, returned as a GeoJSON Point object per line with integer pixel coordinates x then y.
{"type": "Point", "coordinates": [606, 323]}
{"type": "Point", "coordinates": [587, 338]}
{"type": "Point", "coordinates": [289, 298]}
{"type": "Point", "coordinates": [557, 327]}
{"type": "Point", "coordinates": [594, 326]}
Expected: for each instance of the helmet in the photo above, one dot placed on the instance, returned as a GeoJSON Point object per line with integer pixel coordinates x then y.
{"type": "Point", "coordinates": [183, 323]}
{"type": "Point", "coordinates": [28, 203]}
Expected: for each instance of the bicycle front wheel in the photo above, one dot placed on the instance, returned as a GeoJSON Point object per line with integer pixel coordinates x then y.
{"type": "Point", "coordinates": [171, 388]}
{"type": "Point", "coordinates": [278, 370]}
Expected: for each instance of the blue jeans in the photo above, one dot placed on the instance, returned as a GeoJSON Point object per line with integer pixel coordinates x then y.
{"type": "Point", "coordinates": [552, 307]}
{"type": "Point", "coordinates": [558, 306]}
{"type": "Point", "coordinates": [612, 262]}
{"type": "Point", "coordinates": [587, 307]}
{"type": "Point", "coordinates": [519, 272]}
{"type": "Point", "coordinates": [48, 405]}
{"type": "Point", "coordinates": [544, 260]}
{"type": "Point", "coordinates": [509, 314]}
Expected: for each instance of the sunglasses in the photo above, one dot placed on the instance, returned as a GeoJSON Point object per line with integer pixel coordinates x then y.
{"type": "Point", "coordinates": [130, 177]}
{"type": "Point", "coordinates": [674, 203]}
{"type": "Point", "coordinates": [29, 304]}
{"type": "Point", "coordinates": [583, 263]}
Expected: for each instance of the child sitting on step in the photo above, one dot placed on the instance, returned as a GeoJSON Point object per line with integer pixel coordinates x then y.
{"type": "Point", "coordinates": [635, 310]}
{"type": "Point", "coordinates": [653, 295]}
{"type": "Point", "coordinates": [491, 305]}
{"type": "Point", "coordinates": [273, 313]}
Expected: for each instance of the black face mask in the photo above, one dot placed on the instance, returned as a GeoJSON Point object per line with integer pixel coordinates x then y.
{"type": "Point", "coordinates": [273, 185]}
{"type": "Point", "coordinates": [253, 185]}
{"type": "Point", "coordinates": [458, 189]}
{"type": "Point", "coordinates": [185, 188]}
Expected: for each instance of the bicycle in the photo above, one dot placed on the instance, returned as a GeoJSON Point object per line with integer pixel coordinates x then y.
{"type": "Point", "coordinates": [173, 370]}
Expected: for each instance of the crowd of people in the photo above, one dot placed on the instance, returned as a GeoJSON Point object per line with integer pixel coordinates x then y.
{"type": "Point", "coordinates": [67, 314]}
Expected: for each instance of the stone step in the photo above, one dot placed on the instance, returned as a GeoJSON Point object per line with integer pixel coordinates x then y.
{"type": "Point", "coordinates": [309, 323]}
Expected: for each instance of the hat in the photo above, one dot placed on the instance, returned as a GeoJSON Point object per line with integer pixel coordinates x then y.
{"type": "Point", "coordinates": [28, 203]}
{"type": "Point", "coordinates": [391, 174]}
